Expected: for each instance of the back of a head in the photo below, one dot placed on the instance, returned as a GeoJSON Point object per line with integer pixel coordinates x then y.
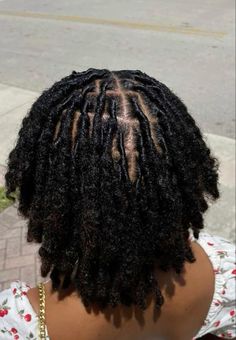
{"type": "Point", "coordinates": [111, 172]}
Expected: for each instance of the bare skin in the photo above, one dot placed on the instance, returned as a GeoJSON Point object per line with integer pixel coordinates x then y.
{"type": "Point", "coordinates": [187, 300]}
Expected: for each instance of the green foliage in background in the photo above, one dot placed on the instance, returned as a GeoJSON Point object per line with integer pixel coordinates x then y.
{"type": "Point", "coordinates": [4, 202]}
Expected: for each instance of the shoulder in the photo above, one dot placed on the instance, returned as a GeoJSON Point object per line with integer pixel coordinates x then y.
{"type": "Point", "coordinates": [187, 293]}
{"type": "Point", "coordinates": [16, 314]}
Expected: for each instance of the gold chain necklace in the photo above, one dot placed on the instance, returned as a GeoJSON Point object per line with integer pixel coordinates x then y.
{"type": "Point", "coordinates": [42, 330]}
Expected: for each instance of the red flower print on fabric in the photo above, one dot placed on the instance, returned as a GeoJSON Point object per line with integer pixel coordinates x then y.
{"type": "Point", "coordinates": [27, 317]}
{"type": "Point", "coordinates": [4, 308]}
{"type": "Point", "coordinates": [13, 330]}
{"type": "Point", "coordinates": [216, 324]}
{"type": "Point", "coordinates": [10, 332]}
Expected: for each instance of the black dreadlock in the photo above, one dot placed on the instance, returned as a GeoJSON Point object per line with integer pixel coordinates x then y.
{"type": "Point", "coordinates": [111, 172]}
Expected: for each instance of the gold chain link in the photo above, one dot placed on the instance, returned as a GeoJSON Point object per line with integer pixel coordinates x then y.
{"type": "Point", "coordinates": [42, 329]}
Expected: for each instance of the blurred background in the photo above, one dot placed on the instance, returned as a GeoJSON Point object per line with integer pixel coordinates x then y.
{"type": "Point", "coordinates": [188, 45]}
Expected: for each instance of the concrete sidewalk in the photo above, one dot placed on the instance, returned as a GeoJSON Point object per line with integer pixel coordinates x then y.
{"type": "Point", "coordinates": [15, 103]}
{"type": "Point", "coordinates": [19, 260]}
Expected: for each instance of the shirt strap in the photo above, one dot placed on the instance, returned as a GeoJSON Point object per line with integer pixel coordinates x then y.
{"type": "Point", "coordinates": [42, 328]}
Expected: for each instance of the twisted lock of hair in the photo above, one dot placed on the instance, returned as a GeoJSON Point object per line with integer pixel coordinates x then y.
{"type": "Point", "coordinates": [112, 173]}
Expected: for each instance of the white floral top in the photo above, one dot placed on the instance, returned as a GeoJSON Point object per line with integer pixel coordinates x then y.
{"type": "Point", "coordinates": [18, 320]}
{"type": "Point", "coordinates": [221, 317]}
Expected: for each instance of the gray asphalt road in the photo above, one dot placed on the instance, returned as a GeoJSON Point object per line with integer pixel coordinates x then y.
{"type": "Point", "coordinates": [187, 44]}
